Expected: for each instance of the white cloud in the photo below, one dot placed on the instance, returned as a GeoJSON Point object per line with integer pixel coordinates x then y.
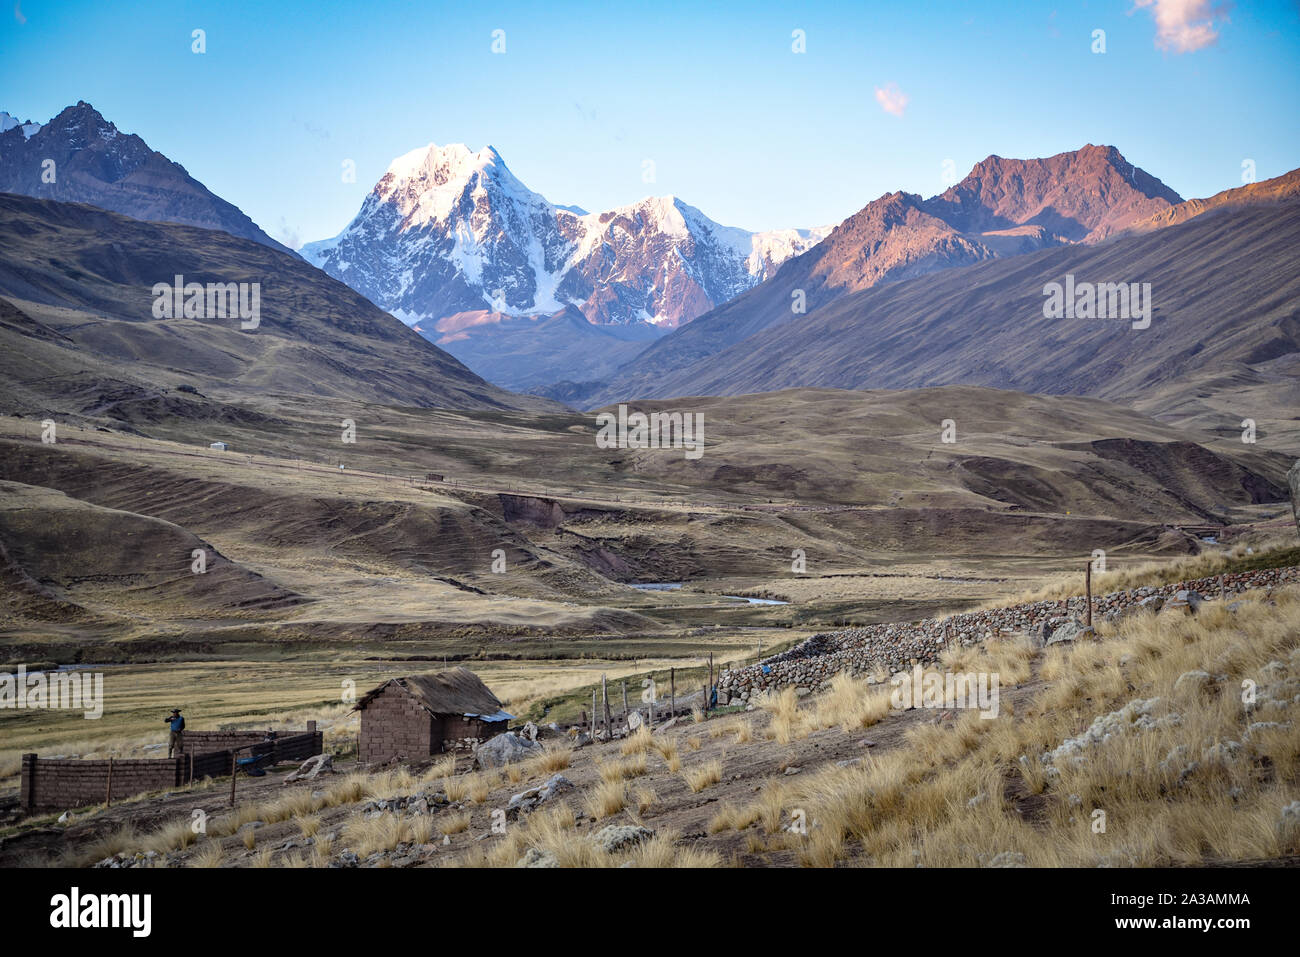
{"type": "Point", "coordinates": [1185, 25]}
{"type": "Point", "coordinates": [891, 99]}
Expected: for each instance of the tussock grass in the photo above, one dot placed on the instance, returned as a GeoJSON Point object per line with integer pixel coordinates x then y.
{"type": "Point", "coordinates": [1194, 783]}
{"type": "Point", "coordinates": [444, 767]}
{"type": "Point", "coordinates": [703, 776]}
{"type": "Point", "coordinates": [638, 742]}
{"type": "Point", "coordinates": [172, 836]}
{"type": "Point", "coordinates": [645, 799]}
{"type": "Point", "coordinates": [210, 854]}
{"type": "Point", "coordinates": [453, 823]}
{"type": "Point", "coordinates": [365, 836]}
{"type": "Point", "coordinates": [632, 767]}
{"type": "Point", "coordinates": [551, 760]}
{"type": "Point", "coordinates": [849, 704]}
{"type": "Point", "coordinates": [606, 799]}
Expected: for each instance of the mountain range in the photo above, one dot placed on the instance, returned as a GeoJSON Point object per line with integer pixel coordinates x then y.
{"type": "Point", "coordinates": [654, 300]}
{"type": "Point", "coordinates": [452, 242]}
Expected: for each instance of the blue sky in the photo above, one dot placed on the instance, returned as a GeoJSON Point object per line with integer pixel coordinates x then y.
{"type": "Point", "coordinates": [734, 121]}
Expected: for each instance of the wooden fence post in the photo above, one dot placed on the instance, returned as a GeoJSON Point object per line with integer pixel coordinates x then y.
{"type": "Point", "coordinates": [1087, 584]}
{"type": "Point", "coordinates": [625, 701]}
{"type": "Point", "coordinates": [672, 691]}
{"type": "Point", "coordinates": [233, 778]}
{"type": "Point", "coordinates": [108, 795]}
{"type": "Point", "coordinates": [28, 786]}
{"type": "Point", "coordinates": [604, 706]}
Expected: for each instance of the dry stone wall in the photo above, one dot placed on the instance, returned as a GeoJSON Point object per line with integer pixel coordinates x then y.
{"type": "Point", "coordinates": [895, 647]}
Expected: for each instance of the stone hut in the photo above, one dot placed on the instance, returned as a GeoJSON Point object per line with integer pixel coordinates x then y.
{"type": "Point", "coordinates": [411, 718]}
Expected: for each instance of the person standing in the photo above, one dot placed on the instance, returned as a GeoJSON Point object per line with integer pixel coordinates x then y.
{"type": "Point", "coordinates": [176, 741]}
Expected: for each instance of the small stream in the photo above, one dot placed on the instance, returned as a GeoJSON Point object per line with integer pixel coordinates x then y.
{"type": "Point", "coordinates": [676, 586]}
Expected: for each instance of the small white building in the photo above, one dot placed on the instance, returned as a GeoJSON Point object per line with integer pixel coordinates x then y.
{"type": "Point", "coordinates": [219, 446]}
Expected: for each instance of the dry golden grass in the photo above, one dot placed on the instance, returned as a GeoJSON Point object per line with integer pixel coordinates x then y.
{"type": "Point", "coordinates": [209, 855]}
{"type": "Point", "coordinates": [419, 830]}
{"type": "Point", "coordinates": [662, 851]}
{"type": "Point", "coordinates": [175, 835]}
{"type": "Point", "coordinates": [1121, 577]}
{"type": "Point", "coordinates": [645, 799]}
{"type": "Point", "coordinates": [365, 836]}
{"type": "Point", "coordinates": [551, 760]}
{"type": "Point", "coordinates": [783, 710]}
{"type": "Point", "coordinates": [638, 742]}
{"type": "Point", "coordinates": [703, 776]}
{"type": "Point", "coordinates": [453, 823]}
{"type": "Point", "coordinates": [480, 788]}
{"type": "Point", "coordinates": [606, 799]}
{"type": "Point", "coordinates": [849, 704]}
{"type": "Point", "coordinates": [444, 767]}
{"type": "Point", "coordinates": [1199, 787]}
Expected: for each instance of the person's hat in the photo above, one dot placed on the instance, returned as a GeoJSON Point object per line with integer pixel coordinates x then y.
{"type": "Point", "coordinates": [176, 710]}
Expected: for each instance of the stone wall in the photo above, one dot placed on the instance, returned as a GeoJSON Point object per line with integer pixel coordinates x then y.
{"type": "Point", "coordinates": [891, 648]}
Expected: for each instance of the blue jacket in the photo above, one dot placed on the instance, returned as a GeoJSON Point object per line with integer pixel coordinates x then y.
{"type": "Point", "coordinates": [177, 723]}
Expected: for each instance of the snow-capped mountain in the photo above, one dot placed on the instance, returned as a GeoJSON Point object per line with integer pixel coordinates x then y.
{"type": "Point", "coordinates": [448, 231]}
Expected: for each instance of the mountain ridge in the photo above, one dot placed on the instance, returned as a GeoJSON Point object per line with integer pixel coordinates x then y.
{"type": "Point", "coordinates": [93, 162]}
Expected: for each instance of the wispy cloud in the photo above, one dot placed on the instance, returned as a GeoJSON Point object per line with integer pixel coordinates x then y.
{"type": "Point", "coordinates": [891, 99]}
{"type": "Point", "coordinates": [1186, 25]}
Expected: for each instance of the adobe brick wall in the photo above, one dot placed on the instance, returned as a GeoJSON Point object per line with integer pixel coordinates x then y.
{"type": "Point", "coordinates": [394, 725]}
{"type": "Point", "coordinates": [201, 741]}
{"type": "Point", "coordinates": [62, 783]}
{"type": "Point", "coordinates": [68, 782]}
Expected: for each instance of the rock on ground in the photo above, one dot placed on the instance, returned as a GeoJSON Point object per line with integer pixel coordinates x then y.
{"type": "Point", "coordinates": [615, 837]}
{"type": "Point", "coordinates": [505, 749]}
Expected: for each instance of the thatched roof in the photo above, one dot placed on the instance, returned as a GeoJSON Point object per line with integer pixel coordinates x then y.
{"type": "Point", "coordinates": [458, 691]}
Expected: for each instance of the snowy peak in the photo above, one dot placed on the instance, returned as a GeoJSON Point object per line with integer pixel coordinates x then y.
{"type": "Point", "coordinates": [449, 230]}
{"type": "Point", "coordinates": [8, 122]}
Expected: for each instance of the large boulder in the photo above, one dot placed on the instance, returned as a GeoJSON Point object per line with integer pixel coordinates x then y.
{"type": "Point", "coordinates": [505, 749]}
{"type": "Point", "coordinates": [1071, 630]}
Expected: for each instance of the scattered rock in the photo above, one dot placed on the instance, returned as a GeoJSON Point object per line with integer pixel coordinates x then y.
{"type": "Point", "coordinates": [1192, 684]}
{"type": "Point", "coordinates": [1007, 859]}
{"type": "Point", "coordinates": [319, 764]}
{"type": "Point", "coordinates": [504, 749]}
{"type": "Point", "coordinates": [536, 857]}
{"type": "Point", "coordinates": [616, 837]}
